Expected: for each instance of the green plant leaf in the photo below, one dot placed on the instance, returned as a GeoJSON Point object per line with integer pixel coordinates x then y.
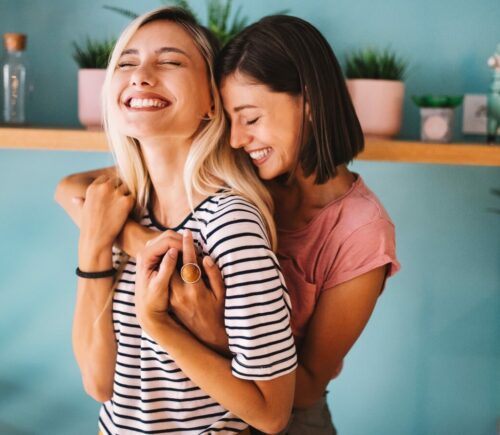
{"type": "Point", "coordinates": [93, 53]}
{"type": "Point", "coordinates": [121, 11]}
{"type": "Point", "coordinates": [443, 101]}
{"type": "Point", "coordinates": [218, 16]}
{"type": "Point", "coordinates": [371, 63]}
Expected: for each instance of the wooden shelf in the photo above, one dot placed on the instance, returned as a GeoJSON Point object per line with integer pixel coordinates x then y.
{"type": "Point", "coordinates": [56, 139]}
{"type": "Point", "coordinates": [375, 149]}
{"type": "Point", "coordinates": [434, 153]}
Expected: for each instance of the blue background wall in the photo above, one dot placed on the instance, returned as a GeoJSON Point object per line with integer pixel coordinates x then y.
{"type": "Point", "coordinates": [429, 360]}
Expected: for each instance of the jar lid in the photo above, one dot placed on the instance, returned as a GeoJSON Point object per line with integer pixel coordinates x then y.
{"type": "Point", "coordinates": [14, 41]}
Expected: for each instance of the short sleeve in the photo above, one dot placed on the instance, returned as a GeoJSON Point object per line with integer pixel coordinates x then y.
{"type": "Point", "coordinates": [257, 307]}
{"type": "Point", "coordinates": [371, 246]}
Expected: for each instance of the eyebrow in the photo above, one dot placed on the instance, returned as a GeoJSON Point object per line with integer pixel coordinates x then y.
{"type": "Point", "coordinates": [159, 51]}
{"type": "Point", "coordinates": [245, 106]}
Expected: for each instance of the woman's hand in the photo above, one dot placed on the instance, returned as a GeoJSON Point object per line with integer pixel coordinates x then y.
{"type": "Point", "coordinates": [198, 307]}
{"type": "Point", "coordinates": [160, 289]}
{"type": "Point", "coordinates": [155, 267]}
{"type": "Point", "coordinates": [70, 191]}
{"type": "Point", "coordinates": [105, 210]}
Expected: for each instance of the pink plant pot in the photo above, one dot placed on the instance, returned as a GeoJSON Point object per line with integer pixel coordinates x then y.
{"type": "Point", "coordinates": [90, 83]}
{"type": "Point", "coordinates": [378, 104]}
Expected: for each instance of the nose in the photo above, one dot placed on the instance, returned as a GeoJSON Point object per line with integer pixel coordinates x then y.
{"type": "Point", "coordinates": [142, 76]}
{"type": "Point", "coordinates": [239, 137]}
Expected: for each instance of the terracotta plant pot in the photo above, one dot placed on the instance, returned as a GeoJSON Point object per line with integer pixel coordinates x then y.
{"type": "Point", "coordinates": [378, 104]}
{"type": "Point", "coordinates": [90, 83]}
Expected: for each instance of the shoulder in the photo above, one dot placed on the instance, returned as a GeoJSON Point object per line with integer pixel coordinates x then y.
{"type": "Point", "coordinates": [227, 207]}
{"type": "Point", "coordinates": [226, 213]}
{"type": "Point", "coordinates": [359, 208]}
{"type": "Point", "coordinates": [226, 201]}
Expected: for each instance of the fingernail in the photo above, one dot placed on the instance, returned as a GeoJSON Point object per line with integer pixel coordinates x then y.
{"type": "Point", "coordinates": [172, 252]}
{"type": "Point", "coordinates": [186, 233]}
{"type": "Point", "coordinates": [209, 262]}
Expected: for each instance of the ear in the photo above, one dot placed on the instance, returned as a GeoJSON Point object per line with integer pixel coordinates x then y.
{"type": "Point", "coordinates": [210, 114]}
{"type": "Point", "coordinates": [307, 108]}
{"type": "Point", "coordinates": [307, 105]}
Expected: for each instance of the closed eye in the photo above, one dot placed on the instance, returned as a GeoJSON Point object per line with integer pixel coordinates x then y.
{"type": "Point", "coordinates": [125, 65]}
{"type": "Point", "coordinates": [170, 62]}
{"type": "Point", "coordinates": [252, 121]}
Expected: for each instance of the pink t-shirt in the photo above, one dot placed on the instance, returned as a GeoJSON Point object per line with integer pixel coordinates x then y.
{"type": "Point", "coordinates": [349, 237]}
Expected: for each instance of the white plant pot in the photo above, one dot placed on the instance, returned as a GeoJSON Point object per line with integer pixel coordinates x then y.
{"type": "Point", "coordinates": [90, 83]}
{"type": "Point", "coordinates": [436, 124]}
{"type": "Point", "coordinates": [378, 104]}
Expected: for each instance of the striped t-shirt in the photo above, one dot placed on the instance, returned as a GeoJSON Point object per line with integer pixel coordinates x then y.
{"type": "Point", "coordinates": [151, 394]}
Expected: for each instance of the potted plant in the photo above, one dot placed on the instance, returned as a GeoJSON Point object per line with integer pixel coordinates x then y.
{"type": "Point", "coordinates": [436, 116]}
{"type": "Point", "coordinates": [375, 83]}
{"type": "Point", "coordinates": [218, 13]}
{"type": "Point", "coordinates": [92, 57]}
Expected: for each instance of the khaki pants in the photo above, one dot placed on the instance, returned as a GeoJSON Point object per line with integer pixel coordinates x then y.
{"type": "Point", "coordinates": [315, 420]}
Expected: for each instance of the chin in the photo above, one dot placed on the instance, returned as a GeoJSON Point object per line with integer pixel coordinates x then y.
{"type": "Point", "coordinates": [267, 175]}
{"type": "Point", "coordinates": [138, 132]}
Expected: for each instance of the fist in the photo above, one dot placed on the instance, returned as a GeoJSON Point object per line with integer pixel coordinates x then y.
{"type": "Point", "coordinates": [105, 210]}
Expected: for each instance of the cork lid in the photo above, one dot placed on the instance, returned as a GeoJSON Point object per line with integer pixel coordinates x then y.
{"type": "Point", "coordinates": [14, 41]}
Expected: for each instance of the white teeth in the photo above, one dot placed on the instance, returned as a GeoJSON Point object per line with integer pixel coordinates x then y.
{"type": "Point", "coordinates": [260, 154]}
{"type": "Point", "coordinates": [139, 103]}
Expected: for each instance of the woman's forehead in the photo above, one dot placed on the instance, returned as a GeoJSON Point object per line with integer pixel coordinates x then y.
{"type": "Point", "coordinates": [162, 33]}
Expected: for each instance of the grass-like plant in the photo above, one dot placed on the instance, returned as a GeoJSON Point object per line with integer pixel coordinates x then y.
{"type": "Point", "coordinates": [93, 53]}
{"type": "Point", "coordinates": [371, 63]}
{"type": "Point", "coordinates": [218, 14]}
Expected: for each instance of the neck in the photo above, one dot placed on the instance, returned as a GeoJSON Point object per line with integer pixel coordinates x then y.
{"type": "Point", "coordinates": [165, 159]}
{"type": "Point", "coordinates": [303, 199]}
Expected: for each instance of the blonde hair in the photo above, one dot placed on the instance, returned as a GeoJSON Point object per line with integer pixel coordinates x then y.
{"type": "Point", "coordinates": [211, 164]}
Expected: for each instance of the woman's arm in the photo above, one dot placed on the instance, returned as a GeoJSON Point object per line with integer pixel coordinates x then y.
{"type": "Point", "coordinates": [75, 186]}
{"type": "Point", "coordinates": [340, 316]}
{"type": "Point", "coordinates": [264, 404]}
{"type": "Point", "coordinates": [94, 344]}
{"type": "Point", "coordinates": [70, 195]}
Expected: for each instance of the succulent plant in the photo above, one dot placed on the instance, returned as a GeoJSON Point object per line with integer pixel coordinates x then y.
{"type": "Point", "coordinates": [93, 53]}
{"type": "Point", "coordinates": [442, 101]}
{"type": "Point", "coordinates": [371, 63]}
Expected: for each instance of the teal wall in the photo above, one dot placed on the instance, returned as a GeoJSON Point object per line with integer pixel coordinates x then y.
{"type": "Point", "coordinates": [429, 360]}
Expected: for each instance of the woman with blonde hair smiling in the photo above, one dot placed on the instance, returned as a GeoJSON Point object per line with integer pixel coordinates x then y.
{"type": "Point", "coordinates": [165, 125]}
{"type": "Point", "coordinates": [292, 117]}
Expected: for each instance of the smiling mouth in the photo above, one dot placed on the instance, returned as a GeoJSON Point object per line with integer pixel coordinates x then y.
{"type": "Point", "coordinates": [147, 103]}
{"type": "Point", "coordinates": [259, 154]}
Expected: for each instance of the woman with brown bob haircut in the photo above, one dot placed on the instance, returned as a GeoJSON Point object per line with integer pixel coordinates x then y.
{"type": "Point", "coordinates": [292, 117]}
{"type": "Point", "coordinates": [290, 112]}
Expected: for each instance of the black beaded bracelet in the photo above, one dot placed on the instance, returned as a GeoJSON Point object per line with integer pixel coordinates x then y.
{"type": "Point", "coordinates": [91, 275]}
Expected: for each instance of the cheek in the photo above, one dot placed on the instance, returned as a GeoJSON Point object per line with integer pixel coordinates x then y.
{"type": "Point", "coordinates": [115, 88]}
{"type": "Point", "coordinates": [199, 92]}
{"type": "Point", "coordinates": [282, 136]}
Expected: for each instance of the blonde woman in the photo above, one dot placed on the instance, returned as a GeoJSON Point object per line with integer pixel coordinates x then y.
{"type": "Point", "coordinates": [165, 125]}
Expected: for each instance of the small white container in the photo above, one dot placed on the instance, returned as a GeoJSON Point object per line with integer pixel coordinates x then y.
{"type": "Point", "coordinates": [436, 124]}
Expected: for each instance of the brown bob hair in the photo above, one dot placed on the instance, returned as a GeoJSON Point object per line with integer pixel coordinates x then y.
{"type": "Point", "coordinates": [288, 54]}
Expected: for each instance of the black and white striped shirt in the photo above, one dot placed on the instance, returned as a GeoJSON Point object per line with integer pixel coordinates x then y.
{"type": "Point", "coordinates": [151, 394]}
